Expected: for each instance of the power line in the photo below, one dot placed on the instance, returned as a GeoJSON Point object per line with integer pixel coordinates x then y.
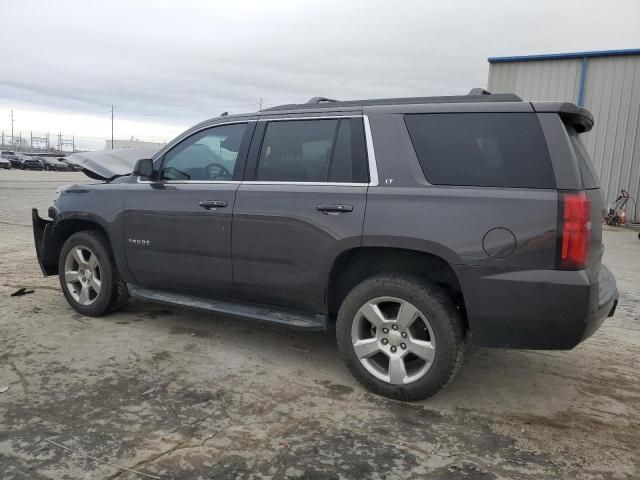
{"type": "Point", "coordinates": [111, 127]}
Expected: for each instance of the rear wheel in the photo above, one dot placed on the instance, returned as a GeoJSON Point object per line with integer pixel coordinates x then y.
{"type": "Point", "coordinates": [88, 274]}
{"type": "Point", "coordinates": [400, 336]}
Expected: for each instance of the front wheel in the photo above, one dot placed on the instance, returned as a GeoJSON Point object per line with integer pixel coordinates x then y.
{"type": "Point", "coordinates": [88, 275]}
{"type": "Point", "coordinates": [400, 336]}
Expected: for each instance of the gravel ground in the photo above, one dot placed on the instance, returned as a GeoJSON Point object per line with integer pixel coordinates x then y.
{"type": "Point", "coordinates": [179, 394]}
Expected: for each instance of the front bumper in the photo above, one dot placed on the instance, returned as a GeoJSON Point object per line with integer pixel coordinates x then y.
{"type": "Point", "coordinates": [42, 237]}
{"type": "Point", "coordinates": [536, 309]}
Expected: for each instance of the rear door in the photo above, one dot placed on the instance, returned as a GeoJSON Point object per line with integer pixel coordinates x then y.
{"type": "Point", "coordinates": [301, 204]}
{"type": "Point", "coordinates": [177, 229]}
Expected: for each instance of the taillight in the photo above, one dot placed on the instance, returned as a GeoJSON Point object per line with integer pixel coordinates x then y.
{"type": "Point", "coordinates": [575, 230]}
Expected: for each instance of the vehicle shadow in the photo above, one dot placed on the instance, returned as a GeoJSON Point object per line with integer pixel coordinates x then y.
{"type": "Point", "coordinates": [490, 380]}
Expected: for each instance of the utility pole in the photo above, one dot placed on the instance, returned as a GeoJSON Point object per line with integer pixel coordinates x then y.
{"type": "Point", "coordinates": [12, 120]}
{"type": "Point", "coordinates": [73, 144]}
{"type": "Point", "coordinates": [111, 127]}
{"type": "Point", "coordinates": [260, 104]}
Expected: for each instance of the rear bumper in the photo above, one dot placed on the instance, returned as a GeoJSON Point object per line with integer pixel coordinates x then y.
{"type": "Point", "coordinates": [536, 309]}
{"type": "Point", "coordinates": [42, 235]}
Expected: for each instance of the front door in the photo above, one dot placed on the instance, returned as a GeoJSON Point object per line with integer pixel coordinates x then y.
{"type": "Point", "coordinates": [302, 203]}
{"type": "Point", "coordinates": [177, 228]}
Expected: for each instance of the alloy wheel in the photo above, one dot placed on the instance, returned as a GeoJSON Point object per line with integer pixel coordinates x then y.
{"type": "Point", "coordinates": [393, 340]}
{"type": "Point", "coordinates": [82, 275]}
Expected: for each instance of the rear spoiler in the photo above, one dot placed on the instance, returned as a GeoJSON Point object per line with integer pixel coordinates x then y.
{"type": "Point", "coordinates": [579, 118]}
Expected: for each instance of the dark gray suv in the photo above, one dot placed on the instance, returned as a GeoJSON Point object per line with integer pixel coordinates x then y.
{"type": "Point", "coordinates": [416, 224]}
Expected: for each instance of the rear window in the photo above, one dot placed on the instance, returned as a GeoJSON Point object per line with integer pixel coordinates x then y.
{"type": "Point", "coordinates": [481, 149]}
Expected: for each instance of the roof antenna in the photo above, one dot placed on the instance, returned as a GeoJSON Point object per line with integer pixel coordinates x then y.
{"type": "Point", "coordinates": [479, 91]}
{"type": "Point", "coordinates": [224, 114]}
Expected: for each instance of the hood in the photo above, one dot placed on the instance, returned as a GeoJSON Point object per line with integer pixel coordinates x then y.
{"type": "Point", "coordinates": [106, 164]}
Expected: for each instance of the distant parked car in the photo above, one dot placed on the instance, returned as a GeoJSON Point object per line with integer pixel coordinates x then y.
{"type": "Point", "coordinates": [5, 163]}
{"type": "Point", "coordinates": [11, 156]}
{"type": "Point", "coordinates": [53, 164]}
{"type": "Point", "coordinates": [30, 163]}
{"type": "Point", "coordinates": [72, 167]}
{"type": "Point", "coordinates": [16, 161]}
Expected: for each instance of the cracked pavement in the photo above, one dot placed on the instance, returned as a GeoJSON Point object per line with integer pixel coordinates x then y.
{"type": "Point", "coordinates": [173, 393]}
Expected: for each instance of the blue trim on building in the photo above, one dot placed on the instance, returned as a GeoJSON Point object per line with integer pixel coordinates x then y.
{"type": "Point", "coordinates": [583, 80]}
{"type": "Point", "coordinates": [563, 56]}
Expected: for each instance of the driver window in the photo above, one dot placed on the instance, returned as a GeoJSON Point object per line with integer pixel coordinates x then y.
{"type": "Point", "coordinates": [208, 155]}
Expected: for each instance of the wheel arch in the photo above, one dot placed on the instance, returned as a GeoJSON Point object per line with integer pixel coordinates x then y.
{"type": "Point", "coordinates": [355, 265]}
{"type": "Point", "coordinates": [61, 230]}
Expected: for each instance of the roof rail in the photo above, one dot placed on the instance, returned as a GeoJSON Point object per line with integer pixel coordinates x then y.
{"type": "Point", "coordinates": [479, 91]}
{"type": "Point", "coordinates": [321, 100]}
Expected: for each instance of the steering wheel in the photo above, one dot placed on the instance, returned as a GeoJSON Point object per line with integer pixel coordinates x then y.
{"type": "Point", "coordinates": [221, 174]}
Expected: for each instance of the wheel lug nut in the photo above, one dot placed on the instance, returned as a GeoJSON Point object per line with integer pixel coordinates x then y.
{"type": "Point", "coordinates": [385, 341]}
{"type": "Point", "coordinates": [404, 334]}
{"type": "Point", "coordinates": [403, 346]}
{"type": "Point", "coordinates": [385, 330]}
{"type": "Point", "coordinates": [393, 349]}
{"type": "Point", "coordinates": [395, 327]}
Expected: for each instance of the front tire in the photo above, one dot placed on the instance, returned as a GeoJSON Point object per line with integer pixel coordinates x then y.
{"type": "Point", "coordinates": [88, 275]}
{"type": "Point", "coordinates": [400, 336]}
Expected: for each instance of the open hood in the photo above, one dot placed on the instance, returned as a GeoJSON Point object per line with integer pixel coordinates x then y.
{"type": "Point", "coordinates": [107, 164]}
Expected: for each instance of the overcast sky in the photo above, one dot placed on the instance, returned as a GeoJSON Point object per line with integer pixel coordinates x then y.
{"type": "Point", "coordinates": [166, 65]}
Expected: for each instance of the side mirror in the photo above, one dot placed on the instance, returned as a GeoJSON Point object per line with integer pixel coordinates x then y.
{"type": "Point", "coordinates": [144, 168]}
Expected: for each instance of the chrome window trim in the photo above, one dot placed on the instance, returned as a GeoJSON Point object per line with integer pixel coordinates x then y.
{"type": "Point", "coordinates": [371, 157]}
{"type": "Point", "coordinates": [316, 184]}
{"type": "Point", "coordinates": [371, 154]}
{"type": "Point", "coordinates": [205, 182]}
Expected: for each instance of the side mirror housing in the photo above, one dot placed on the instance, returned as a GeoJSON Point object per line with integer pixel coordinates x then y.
{"type": "Point", "coordinates": [144, 168]}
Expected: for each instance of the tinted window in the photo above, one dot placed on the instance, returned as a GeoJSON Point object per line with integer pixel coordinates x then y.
{"type": "Point", "coordinates": [208, 155]}
{"type": "Point", "coordinates": [330, 150]}
{"type": "Point", "coordinates": [482, 149]}
{"type": "Point", "coordinates": [587, 172]}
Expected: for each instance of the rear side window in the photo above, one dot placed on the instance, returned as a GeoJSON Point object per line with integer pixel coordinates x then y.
{"type": "Point", "coordinates": [587, 172]}
{"type": "Point", "coordinates": [328, 150]}
{"type": "Point", "coordinates": [481, 149]}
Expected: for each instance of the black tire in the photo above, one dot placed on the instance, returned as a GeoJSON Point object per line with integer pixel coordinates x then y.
{"type": "Point", "coordinates": [46, 168]}
{"type": "Point", "coordinates": [443, 316]}
{"type": "Point", "coordinates": [113, 291]}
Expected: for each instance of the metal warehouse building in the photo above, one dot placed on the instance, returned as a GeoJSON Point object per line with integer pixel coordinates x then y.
{"type": "Point", "coordinates": [605, 82]}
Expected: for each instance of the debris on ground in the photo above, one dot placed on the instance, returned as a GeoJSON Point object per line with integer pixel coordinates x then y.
{"type": "Point", "coordinates": [21, 291]}
{"type": "Point", "coordinates": [4, 388]}
{"type": "Point", "coordinates": [101, 461]}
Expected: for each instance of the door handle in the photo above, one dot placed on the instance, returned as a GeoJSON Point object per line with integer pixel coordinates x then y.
{"type": "Point", "coordinates": [329, 209]}
{"type": "Point", "coordinates": [212, 204]}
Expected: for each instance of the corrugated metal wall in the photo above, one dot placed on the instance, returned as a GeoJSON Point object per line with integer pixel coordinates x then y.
{"type": "Point", "coordinates": [612, 93]}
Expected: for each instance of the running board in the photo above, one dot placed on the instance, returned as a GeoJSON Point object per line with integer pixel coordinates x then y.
{"type": "Point", "coordinates": [257, 312]}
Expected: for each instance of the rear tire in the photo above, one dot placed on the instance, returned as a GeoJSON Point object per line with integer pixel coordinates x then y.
{"type": "Point", "coordinates": [417, 345]}
{"type": "Point", "coordinates": [88, 275]}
